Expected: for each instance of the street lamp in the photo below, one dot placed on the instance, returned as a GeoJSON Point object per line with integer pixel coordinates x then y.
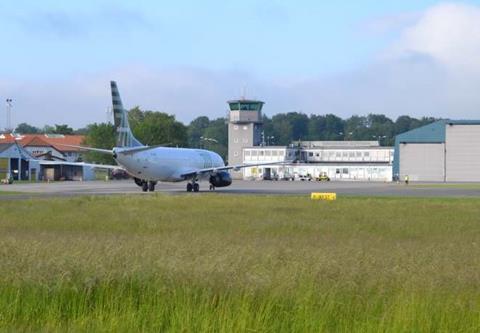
{"type": "Point", "coordinates": [8, 127]}
{"type": "Point", "coordinates": [270, 139]}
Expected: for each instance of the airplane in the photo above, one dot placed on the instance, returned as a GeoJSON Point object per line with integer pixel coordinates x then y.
{"type": "Point", "coordinates": [150, 164]}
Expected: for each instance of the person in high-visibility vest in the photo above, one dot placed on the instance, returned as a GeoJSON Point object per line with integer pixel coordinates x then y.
{"type": "Point", "coordinates": [406, 179]}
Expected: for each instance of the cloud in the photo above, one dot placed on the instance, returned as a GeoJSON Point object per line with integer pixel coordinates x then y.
{"type": "Point", "coordinates": [448, 33]}
{"type": "Point", "coordinates": [431, 69]}
{"type": "Point", "coordinates": [390, 23]}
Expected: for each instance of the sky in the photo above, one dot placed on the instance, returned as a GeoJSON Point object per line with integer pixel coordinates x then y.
{"type": "Point", "coordinates": [404, 57]}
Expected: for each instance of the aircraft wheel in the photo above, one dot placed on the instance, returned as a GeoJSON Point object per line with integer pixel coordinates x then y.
{"type": "Point", "coordinates": [145, 186]}
{"type": "Point", "coordinates": [189, 187]}
{"type": "Point", "coordinates": [151, 186]}
{"type": "Point", "coordinates": [196, 187]}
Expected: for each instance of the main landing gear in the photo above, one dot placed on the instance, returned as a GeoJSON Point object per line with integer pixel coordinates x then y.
{"type": "Point", "coordinates": [146, 185]}
{"type": "Point", "coordinates": [193, 186]}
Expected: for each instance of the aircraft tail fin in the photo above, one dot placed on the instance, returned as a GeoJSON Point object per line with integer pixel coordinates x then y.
{"type": "Point", "coordinates": [125, 136]}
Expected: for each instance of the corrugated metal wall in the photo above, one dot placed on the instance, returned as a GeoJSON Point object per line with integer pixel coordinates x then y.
{"type": "Point", "coordinates": [463, 152]}
{"type": "Point", "coordinates": [422, 161]}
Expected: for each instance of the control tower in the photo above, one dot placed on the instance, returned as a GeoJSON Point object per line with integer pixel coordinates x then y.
{"type": "Point", "coordinates": [244, 129]}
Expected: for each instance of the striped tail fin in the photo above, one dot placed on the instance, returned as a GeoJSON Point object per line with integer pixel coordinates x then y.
{"type": "Point", "coordinates": [125, 136]}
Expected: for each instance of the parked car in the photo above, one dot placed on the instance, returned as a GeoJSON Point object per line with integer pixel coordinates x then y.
{"type": "Point", "coordinates": [120, 174]}
{"type": "Point", "coordinates": [306, 177]}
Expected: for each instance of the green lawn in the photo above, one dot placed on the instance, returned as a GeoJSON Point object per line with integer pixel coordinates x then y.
{"type": "Point", "coordinates": [195, 263]}
{"type": "Point", "coordinates": [7, 192]}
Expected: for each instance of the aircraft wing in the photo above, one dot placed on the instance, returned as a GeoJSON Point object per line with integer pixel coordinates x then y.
{"type": "Point", "coordinates": [199, 172]}
{"type": "Point", "coordinates": [96, 166]}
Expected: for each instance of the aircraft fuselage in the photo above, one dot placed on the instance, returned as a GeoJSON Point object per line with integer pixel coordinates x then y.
{"type": "Point", "coordinates": [165, 163]}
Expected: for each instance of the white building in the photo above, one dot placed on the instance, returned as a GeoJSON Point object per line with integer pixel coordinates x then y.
{"type": "Point", "coordinates": [340, 160]}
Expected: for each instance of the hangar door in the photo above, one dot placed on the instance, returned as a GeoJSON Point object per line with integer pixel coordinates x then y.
{"type": "Point", "coordinates": [422, 161]}
{"type": "Point", "coordinates": [463, 152]}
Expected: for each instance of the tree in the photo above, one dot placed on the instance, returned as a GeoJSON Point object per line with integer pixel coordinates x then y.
{"type": "Point", "coordinates": [334, 128]}
{"type": "Point", "coordinates": [404, 124]}
{"type": "Point", "coordinates": [135, 116]}
{"type": "Point", "coordinates": [154, 128]}
{"type": "Point", "coordinates": [196, 129]}
{"type": "Point", "coordinates": [282, 129]}
{"type": "Point", "coordinates": [356, 128]}
{"type": "Point", "coordinates": [81, 131]}
{"type": "Point", "coordinates": [48, 129]}
{"type": "Point", "coordinates": [25, 128]}
{"type": "Point", "coordinates": [316, 127]}
{"type": "Point", "coordinates": [217, 130]}
{"type": "Point", "coordinates": [100, 136]}
{"type": "Point", "coordinates": [381, 128]}
{"type": "Point", "coordinates": [63, 129]}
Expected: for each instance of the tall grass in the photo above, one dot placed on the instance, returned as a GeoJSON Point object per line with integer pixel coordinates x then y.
{"type": "Point", "coordinates": [239, 263]}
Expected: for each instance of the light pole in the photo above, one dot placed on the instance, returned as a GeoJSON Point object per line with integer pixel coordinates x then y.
{"type": "Point", "coordinates": [270, 139]}
{"type": "Point", "coordinates": [8, 127]}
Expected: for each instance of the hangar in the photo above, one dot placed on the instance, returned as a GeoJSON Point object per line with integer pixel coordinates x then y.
{"type": "Point", "coordinates": [446, 150]}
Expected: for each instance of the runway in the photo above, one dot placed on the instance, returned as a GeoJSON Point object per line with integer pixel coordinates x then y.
{"type": "Point", "coordinates": [61, 189]}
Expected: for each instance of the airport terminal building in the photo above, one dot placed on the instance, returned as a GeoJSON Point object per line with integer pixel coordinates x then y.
{"type": "Point", "coordinates": [446, 150]}
{"type": "Point", "coordinates": [339, 160]}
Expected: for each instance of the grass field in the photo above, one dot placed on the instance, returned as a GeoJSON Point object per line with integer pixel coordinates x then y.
{"type": "Point", "coordinates": [240, 264]}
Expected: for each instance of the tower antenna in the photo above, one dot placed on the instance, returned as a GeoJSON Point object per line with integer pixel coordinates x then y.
{"type": "Point", "coordinates": [244, 91]}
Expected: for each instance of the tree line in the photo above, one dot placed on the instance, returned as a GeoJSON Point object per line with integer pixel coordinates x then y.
{"type": "Point", "coordinates": [159, 128]}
